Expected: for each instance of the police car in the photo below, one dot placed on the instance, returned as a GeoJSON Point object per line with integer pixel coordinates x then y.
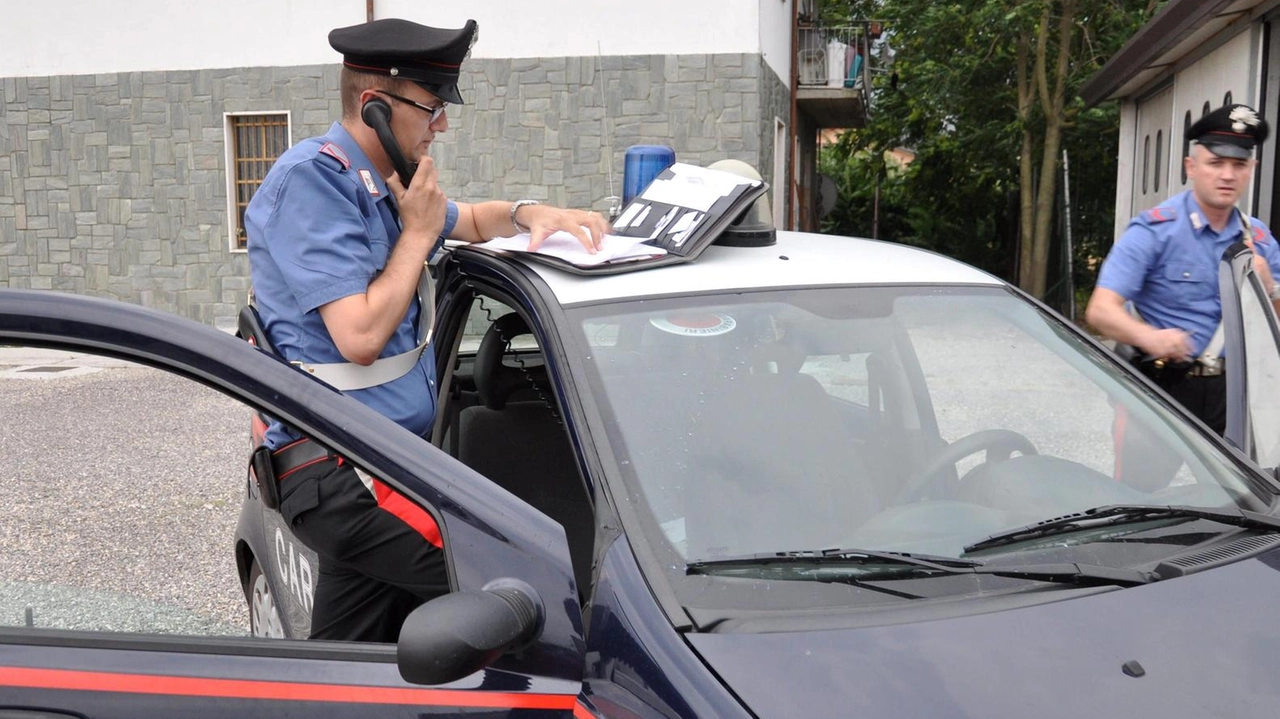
{"type": "Point", "coordinates": [820, 476]}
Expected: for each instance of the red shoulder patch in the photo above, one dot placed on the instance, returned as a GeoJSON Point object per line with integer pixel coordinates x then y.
{"type": "Point", "coordinates": [1157, 215]}
{"type": "Point", "coordinates": [1261, 235]}
{"type": "Point", "coordinates": [336, 153]}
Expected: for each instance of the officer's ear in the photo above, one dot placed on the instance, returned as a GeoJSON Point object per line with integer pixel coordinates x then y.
{"type": "Point", "coordinates": [376, 112]}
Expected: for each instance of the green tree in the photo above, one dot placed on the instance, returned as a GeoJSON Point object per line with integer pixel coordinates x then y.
{"type": "Point", "coordinates": [986, 93]}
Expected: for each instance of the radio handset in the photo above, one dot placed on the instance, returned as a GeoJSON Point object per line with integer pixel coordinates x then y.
{"type": "Point", "coordinates": [376, 113]}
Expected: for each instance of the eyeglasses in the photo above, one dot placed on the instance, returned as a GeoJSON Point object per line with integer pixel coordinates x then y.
{"type": "Point", "coordinates": [435, 112]}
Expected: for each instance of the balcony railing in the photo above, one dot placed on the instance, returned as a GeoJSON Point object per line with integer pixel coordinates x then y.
{"type": "Point", "coordinates": [837, 56]}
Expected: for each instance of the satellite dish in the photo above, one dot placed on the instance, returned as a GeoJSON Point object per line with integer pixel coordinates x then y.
{"type": "Point", "coordinates": [828, 193]}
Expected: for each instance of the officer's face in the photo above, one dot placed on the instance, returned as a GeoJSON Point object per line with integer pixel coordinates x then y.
{"type": "Point", "coordinates": [413, 125]}
{"type": "Point", "coordinates": [1217, 181]}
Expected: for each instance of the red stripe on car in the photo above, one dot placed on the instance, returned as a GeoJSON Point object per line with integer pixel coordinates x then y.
{"type": "Point", "coordinates": [282, 691]}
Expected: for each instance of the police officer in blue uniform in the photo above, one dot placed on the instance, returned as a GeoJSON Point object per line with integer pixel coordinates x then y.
{"type": "Point", "coordinates": [1166, 265]}
{"type": "Point", "coordinates": [337, 242]}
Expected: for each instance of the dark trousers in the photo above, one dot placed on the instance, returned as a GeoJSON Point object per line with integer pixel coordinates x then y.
{"type": "Point", "coordinates": [1142, 460]}
{"type": "Point", "coordinates": [378, 560]}
{"type": "Point", "coordinates": [1206, 397]}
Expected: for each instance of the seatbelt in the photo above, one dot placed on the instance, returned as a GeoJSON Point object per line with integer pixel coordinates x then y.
{"type": "Point", "coordinates": [454, 405]}
{"type": "Point", "coordinates": [1212, 354]}
{"type": "Point", "coordinates": [349, 375]}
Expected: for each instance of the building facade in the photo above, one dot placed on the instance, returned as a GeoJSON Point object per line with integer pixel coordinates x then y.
{"type": "Point", "coordinates": [131, 134]}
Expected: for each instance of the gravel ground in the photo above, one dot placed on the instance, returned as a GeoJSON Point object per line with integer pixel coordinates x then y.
{"type": "Point", "coordinates": [119, 496]}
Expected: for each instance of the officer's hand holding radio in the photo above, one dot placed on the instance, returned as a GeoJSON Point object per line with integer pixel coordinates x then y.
{"type": "Point", "coordinates": [422, 204]}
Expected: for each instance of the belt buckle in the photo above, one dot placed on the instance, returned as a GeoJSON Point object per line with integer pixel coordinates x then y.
{"type": "Point", "coordinates": [1211, 368]}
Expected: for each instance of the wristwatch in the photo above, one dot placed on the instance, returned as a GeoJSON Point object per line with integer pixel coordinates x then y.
{"type": "Point", "coordinates": [1275, 291]}
{"type": "Point", "coordinates": [515, 206]}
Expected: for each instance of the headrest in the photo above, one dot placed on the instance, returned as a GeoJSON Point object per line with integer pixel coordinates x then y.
{"type": "Point", "coordinates": [495, 381]}
{"type": "Point", "coordinates": [777, 358]}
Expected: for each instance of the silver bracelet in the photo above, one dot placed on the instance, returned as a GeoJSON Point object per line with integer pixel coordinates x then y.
{"type": "Point", "coordinates": [516, 206]}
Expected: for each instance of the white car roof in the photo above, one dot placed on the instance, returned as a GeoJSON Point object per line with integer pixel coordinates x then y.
{"type": "Point", "coordinates": [797, 260]}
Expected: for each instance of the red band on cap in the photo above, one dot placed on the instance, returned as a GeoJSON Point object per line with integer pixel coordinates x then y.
{"type": "Point", "coordinates": [388, 69]}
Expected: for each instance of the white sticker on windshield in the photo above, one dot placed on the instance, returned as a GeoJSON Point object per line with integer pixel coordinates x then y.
{"type": "Point", "coordinates": [699, 325]}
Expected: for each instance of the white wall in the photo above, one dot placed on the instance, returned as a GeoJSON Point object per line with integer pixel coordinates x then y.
{"type": "Point", "coordinates": [72, 37]}
{"type": "Point", "coordinates": [1229, 68]}
{"type": "Point", "coordinates": [775, 36]}
{"type": "Point", "coordinates": [553, 28]}
{"type": "Point", "coordinates": [1233, 67]}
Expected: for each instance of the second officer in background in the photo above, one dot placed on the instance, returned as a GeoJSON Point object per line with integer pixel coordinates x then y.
{"type": "Point", "coordinates": [1166, 264]}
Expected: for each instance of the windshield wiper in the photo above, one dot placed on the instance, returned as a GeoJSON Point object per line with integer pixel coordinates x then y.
{"type": "Point", "coordinates": [832, 556]}
{"type": "Point", "coordinates": [1063, 572]}
{"type": "Point", "coordinates": [1125, 514]}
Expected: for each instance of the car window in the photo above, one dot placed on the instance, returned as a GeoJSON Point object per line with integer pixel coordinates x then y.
{"type": "Point", "coordinates": [1263, 373]}
{"type": "Point", "coordinates": [121, 490]}
{"type": "Point", "coordinates": [896, 418]}
{"type": "Point", "coordinates": [480, 317]}
{"type": "Point", "coordinates": [501, 417]}
{"type": "Point", "coordinates": [971, 357]}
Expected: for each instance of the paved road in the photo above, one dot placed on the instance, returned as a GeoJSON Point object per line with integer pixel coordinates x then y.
{"type": "Point", "coordinates": [119, 491]}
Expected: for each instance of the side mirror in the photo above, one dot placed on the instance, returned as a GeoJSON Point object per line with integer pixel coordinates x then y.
{"type": "Point", "coordinates": [459, 634]}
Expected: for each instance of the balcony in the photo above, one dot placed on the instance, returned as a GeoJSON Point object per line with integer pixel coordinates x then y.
{"type": "Point", "coordinates": [834, 68]}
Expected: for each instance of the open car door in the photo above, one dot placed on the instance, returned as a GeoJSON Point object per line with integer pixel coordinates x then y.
{"type": "Point", "coordinates": [1252, 354]}
{"type": "Point", "coordinates": [506, 640]}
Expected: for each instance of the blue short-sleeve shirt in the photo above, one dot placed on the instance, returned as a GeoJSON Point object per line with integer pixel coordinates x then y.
{"type": "Point", "coordinates": [321, 227]}
{"type": "Point", "coordinates": [1166, 263]}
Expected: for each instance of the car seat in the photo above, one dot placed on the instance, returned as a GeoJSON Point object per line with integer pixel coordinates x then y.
{"type": "Point", "coordinates": [516, 438]}
{"type": "Point", "coordinates": [775, 470]}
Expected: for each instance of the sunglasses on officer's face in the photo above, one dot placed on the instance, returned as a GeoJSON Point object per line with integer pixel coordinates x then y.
{"type": "Point", "coordinates": [435, 112]}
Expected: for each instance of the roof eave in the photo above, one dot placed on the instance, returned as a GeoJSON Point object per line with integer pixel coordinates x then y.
{"type": "Point", "coordinates": [1178, 19]}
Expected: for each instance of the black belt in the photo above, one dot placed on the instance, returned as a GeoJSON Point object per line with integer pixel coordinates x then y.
{"type": "Point", "coordinates": [271, 467]}
{"type": "Point", "coordinates": [1171, 371]}
{"type": "Point", "coordinates": [1199, 369]}
{"type": "Point", "coordinates": [295, 454]}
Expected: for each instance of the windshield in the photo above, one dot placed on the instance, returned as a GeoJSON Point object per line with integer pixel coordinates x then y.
{"type": "Point", "coordinates": [903, 419]}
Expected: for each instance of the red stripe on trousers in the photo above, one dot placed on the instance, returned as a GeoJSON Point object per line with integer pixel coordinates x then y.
{"type": "Point", "coordinates": [408, 512]}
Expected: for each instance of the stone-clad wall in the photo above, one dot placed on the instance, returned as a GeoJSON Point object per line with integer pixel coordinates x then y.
{"type": "Point", "coordinates": [114, 185]}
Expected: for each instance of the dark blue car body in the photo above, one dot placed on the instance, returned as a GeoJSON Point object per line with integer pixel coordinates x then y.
{"type": "Point", "coordinates": [622, 646]}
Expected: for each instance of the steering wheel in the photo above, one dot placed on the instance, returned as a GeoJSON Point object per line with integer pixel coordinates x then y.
{"type": "Point", "coordinates": [999, 444]}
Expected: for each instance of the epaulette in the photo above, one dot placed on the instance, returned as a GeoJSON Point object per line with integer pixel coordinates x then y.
{"type": "Point", "coordinates": [336, 153]}
{"type": "Point", "coordinates": [1156, 215]}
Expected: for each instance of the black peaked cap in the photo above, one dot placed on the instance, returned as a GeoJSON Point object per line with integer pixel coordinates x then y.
{"type": "Point", "coordinates": [1230, 131]}
{"type": "Point", "coordinates": [428, 56]}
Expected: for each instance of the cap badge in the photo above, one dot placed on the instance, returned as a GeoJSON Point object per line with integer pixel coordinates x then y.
{"type": "Point", "coordinates": [395, 71]}
{"type": "Point", "coordinates": [1242, 116]}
